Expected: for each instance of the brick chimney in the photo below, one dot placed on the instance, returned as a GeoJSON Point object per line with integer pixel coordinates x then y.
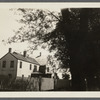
{"type": "Point", "coordinates": [10, 50]}
{"type": "Point", "coordinates": [24, 53]}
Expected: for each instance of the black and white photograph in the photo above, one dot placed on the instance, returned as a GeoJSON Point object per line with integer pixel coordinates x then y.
{"type": "Point", "coordinates": [49, 47]}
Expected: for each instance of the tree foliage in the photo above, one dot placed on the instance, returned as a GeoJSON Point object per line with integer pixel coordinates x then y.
{"type": "Point", "coordinates": [60, 32]}
{"type": "Point", "coordinates": [74, 35]}
{"type": "Point", "coordinates": [36, 23]}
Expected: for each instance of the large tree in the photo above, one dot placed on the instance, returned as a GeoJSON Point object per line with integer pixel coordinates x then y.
{"type": "Point", "coordinates": [73, 34]}
{"type": "Point", "coordinates": [83, 44]}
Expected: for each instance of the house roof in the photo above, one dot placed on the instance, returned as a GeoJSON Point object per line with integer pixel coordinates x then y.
{"type": "Point", "coordinates": [27, 59]}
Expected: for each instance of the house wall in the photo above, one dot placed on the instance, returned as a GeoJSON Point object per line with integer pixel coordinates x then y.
{"type": "Point", "coordinates": [6, 71]}
{"type": "Point", "coordinates": [25, 70]}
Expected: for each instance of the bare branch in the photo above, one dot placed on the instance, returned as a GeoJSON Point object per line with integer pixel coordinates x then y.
{"type": "Point", "coordinates": [54, 15]}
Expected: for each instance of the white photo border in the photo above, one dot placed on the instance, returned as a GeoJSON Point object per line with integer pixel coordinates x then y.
{"type": "Point", "coordinates": [59, 94]}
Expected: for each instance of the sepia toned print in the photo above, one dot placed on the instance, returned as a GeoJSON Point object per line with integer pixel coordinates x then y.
{"type": "Point", "coordinates": [46, 49]}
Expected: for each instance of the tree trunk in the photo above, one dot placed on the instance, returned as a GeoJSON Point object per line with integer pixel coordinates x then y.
{"type": "Point", "coordinates": [78, 82]}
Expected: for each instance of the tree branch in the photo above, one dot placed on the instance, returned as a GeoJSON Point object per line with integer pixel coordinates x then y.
{"type": "Point", "coordinates": [54, 15]}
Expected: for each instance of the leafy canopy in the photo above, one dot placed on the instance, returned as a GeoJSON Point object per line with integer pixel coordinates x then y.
{"type": "Point", "coordinates": [59, 32]}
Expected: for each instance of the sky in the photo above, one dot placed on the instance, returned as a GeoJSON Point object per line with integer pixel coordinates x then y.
{"type": "Point", "coordinates": [8, 24]}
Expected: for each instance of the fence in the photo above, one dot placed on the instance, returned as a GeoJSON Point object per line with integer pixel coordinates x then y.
{"type": "Point", "coordinates": [35, 84]}
{"type": "Point", "coordinates": [63, 85]}
{"type": "Point", "coordinates": [47, 84]}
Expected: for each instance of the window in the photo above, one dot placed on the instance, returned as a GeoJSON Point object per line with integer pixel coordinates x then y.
{"type": "Point", "coordinates": [10, 75]}
{"type": "Point", "coordinates": [30, 67]}
{"type": "Point", "coordinates": [12, 64]}
{"type": "Point", "coordinates": [20, 64]}
{"type": "Point", "coordinates": [4, 64]}
{"type": "Point", "coordinates": [47, 69]}
{"type": "Point", "coordinates": [35, 68]}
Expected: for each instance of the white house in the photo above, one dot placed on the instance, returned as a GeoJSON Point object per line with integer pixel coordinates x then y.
{"type": "Point", "coordinates": [16, 65]}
